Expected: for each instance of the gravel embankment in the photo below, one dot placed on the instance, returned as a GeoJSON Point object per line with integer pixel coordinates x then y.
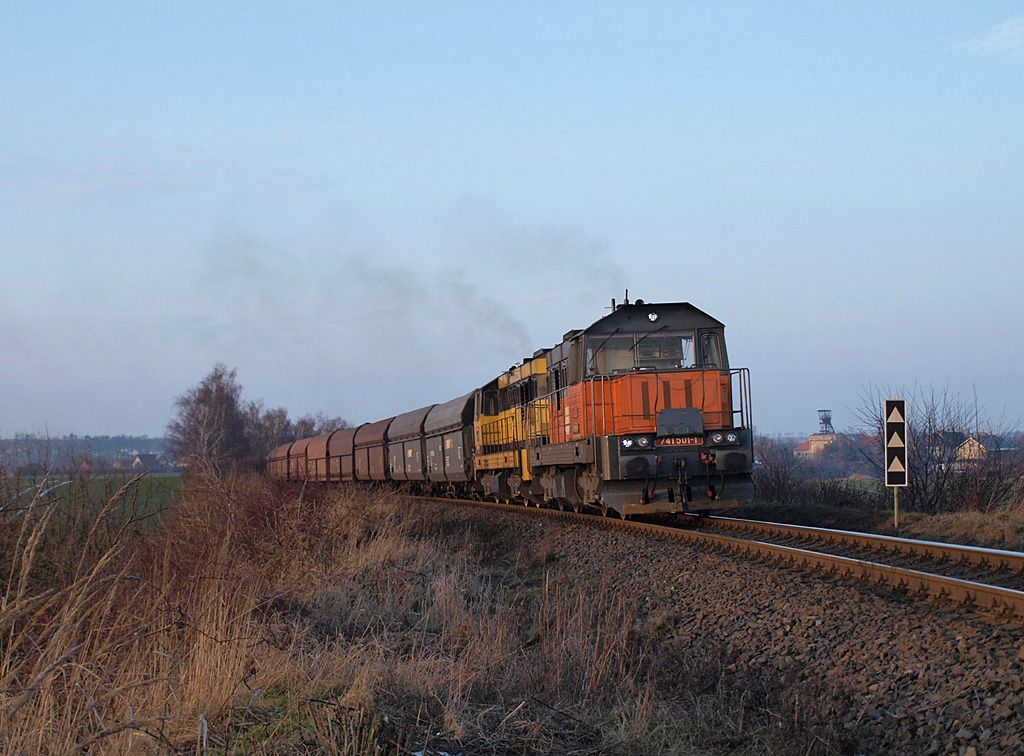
{"type": "Point", "coordinates": [898, 674]}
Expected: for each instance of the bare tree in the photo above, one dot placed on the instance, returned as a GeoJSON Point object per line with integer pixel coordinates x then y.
{"type": "Point", "coordinates": [269, 428]}
{"type": "Point", "coordinates": [940, 426]}
{"type": "Point", "coordinates": [209, 428]}
{"type": "Point", "coordinates": [213, 428]}
{"type": "Point", "coordinates": [778, 476]}
{"type": "Point", "coordinates": [266, 428]}
{"type": "Point", "coordinates": [314, 425]}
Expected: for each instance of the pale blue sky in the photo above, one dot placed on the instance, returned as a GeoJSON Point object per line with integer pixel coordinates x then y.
{"type": "Point", "coordinates": [182, 184]}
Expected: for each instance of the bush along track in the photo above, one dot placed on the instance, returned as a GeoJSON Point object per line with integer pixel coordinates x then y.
{"type": "Point", "coordinates": [261, 618]}
{"type": "Point", "coordinates": [256, 618]}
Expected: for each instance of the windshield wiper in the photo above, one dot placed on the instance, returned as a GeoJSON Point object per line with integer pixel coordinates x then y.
{"type": "Point", "coordinates": [593, 357]}
{"type": "Point", "coordinates": [640, 341]}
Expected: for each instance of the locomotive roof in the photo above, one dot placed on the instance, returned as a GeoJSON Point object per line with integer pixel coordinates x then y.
{"type": "Point", "coordinates": [636, 317]}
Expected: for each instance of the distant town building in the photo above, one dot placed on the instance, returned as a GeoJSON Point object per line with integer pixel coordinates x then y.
{"type": "Point", "coordinates": [149, 463]}
{"type": "Point", "coordinates": [814, 445]}
{"type": "Point", "coordinates": [961, 452]}
{"type": "Point", "coordinates": [818, 442]}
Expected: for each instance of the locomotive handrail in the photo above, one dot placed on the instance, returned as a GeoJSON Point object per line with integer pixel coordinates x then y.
{"type": "Point", "coordinates": [741, 376]}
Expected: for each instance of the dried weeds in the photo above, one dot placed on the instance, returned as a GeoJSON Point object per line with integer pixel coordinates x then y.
{"type": "Point", "coordinates": [256, 618]}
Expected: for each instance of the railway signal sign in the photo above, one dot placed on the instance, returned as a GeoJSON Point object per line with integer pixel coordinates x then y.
{"type": "Point", "coordinates": [895, 440]}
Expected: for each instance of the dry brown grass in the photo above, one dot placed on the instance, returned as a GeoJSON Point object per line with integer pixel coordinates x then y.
{"type": "Point", "coordinates": [1000, 528]}
{"type": "Point", "coordinates": [255, 619]}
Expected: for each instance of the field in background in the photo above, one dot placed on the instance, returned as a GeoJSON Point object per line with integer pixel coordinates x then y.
{"type": "Point", "coordinates": [145, 496]}
{"type": "Point", "coordinates": [252, 617]}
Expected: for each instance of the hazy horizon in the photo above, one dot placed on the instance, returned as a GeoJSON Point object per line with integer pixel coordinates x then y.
{"type": "Point", "coordinates": [367, 210]}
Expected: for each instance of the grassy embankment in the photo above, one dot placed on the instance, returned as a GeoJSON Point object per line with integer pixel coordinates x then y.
{"type": "Point", "coordinates": [864, 505]}
{"type": "Point", "coordinates": [254, 618]}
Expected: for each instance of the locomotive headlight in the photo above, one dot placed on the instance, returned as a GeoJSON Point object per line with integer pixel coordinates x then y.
{"type": "Point", "coordinates": [627, 443]}
{"type": "Point", "coordinates": [732, 438]}
{"type": "Point", "coordinates": [716, 438]}
{"type": "Point", "coordinates": [643, 442]}
{"type": "Point", "coordinates": [652, 316]}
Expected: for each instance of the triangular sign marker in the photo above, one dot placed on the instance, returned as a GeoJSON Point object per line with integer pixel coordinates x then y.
{"type": "Point", "coordinates": [895, 442]}
{"type": "Point", "coordinates": [896, 467]}
{"type": "Point", "coordinates": [895, 416]}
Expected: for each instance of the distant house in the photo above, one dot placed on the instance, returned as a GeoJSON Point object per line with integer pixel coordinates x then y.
{"type": "Point", "coordinates": [943, 445]}
{"type": "Point", "coordinates": [961, 452]}
{"type": "Point", "coordinates": [814, 445]}
{"type": "Point", "coordinates": [148, 463]}
{"type": "Point", "coordinates": [182, 461]}
{"type": "Point", "coordinates": [976, 449]}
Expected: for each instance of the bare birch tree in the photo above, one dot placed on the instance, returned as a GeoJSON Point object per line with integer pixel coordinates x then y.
{"type": "Point", "coordinates": [943, 476]}
{"type": "Point", "coordinates": [209, 429]}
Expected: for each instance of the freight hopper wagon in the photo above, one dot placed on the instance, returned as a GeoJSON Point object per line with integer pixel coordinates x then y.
{"type": "Point", "coordinates": [640, 413]}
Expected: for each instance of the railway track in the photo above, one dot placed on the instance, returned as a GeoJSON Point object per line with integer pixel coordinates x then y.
{"type": "Point", "coordinates": [985, 579]}
{"type": "Point", "coordinates": [992, 566]}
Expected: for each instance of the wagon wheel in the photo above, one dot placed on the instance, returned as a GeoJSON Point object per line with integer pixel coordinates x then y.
{"type": "Point", "coordinates": [577, 507]}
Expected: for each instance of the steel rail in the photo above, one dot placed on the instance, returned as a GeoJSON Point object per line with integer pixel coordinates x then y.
{"type": "Point", "coordinates": [997, 559]}
{"type": "Point", "coordinates": [916, 582]}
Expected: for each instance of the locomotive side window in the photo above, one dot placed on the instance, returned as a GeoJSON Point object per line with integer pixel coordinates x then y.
{"type": "Point", "coordinates": [558, 375]}
{"type": "Point", "coordinates": [711, 350]}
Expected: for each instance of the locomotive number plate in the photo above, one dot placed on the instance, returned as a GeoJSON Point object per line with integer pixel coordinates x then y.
{"type": "Point", "coordinates": [681, 441]}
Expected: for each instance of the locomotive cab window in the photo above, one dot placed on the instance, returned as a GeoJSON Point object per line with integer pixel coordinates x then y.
{"type": "Point", "coordinates": [621, 353]}
{"type": "Point", "coordinates": [665, 351]}
{"type": "Point", "coordinates": [607, 355]}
